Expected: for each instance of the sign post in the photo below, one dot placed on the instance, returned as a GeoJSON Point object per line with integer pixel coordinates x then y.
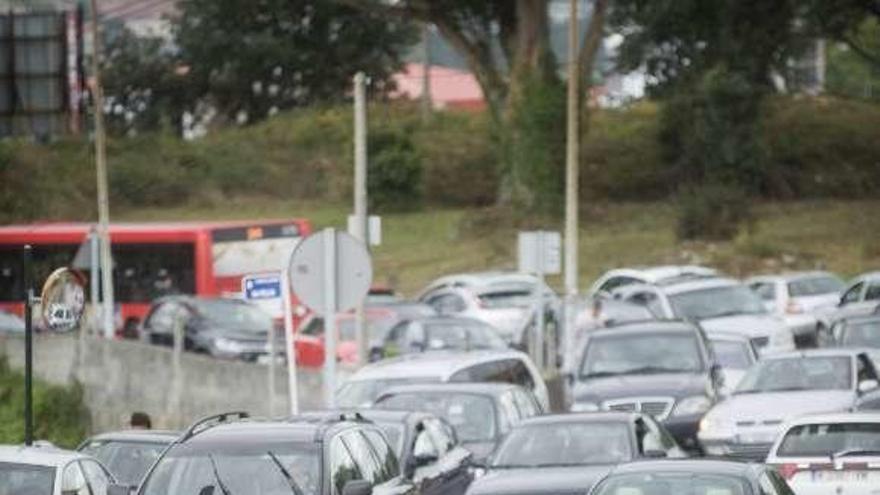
{"type": "Point", "coordinates": [266, 292]}
{"type": "Point", "coordinates": [330, 272]}
{"type": "Point", "coordinates": [289, 343]}
{"type": "Point", "coordinates": [539, 253]}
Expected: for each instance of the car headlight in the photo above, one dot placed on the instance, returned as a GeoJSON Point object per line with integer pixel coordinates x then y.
{"type": "Point", "coordinates": [715, 427]}
{"type": "Point", "coordinates": [223, 344]}
{"type": "Point", "coordinates": [584, 407]}
{"type": "Point", "coordinates": [697, 404]}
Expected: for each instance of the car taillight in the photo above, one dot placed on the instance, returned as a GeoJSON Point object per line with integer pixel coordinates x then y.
{"type": "Point", "coordinates": [788, 471]}
{"type": "Point", "coordinates": [793, 307]}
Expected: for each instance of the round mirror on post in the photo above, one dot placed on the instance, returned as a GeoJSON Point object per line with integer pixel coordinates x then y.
{"type": "Point", "coordinates": [63, 299]}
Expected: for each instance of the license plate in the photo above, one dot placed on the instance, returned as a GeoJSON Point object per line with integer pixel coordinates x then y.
{"type": "Point", "coordinates": [855, 476]}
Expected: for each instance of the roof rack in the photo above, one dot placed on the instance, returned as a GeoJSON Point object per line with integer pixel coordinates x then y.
{"type": "Point", "coordinates": [209, 422]}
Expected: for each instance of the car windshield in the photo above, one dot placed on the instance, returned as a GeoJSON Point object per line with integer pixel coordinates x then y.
{"type": "Point", "coordinates": [26, 479]}
{"type": "Point", "coordinates": [128, 461]}
{"type": "Point", "coordinates": [673, 484]}
{"type": "Point", "coordinates": [565, 444]}
{"type": "Point", "coordinates": [716, 302]}
{"type": "Point", "coordinates": [815, 286]}
{"type": "Point", "coordinates": [233, 469]}
{"type": "Point", "coordinates": [362, 393]}
{"type": "Point", "coordinates": [865, 334]}
{"type": "Point", "coordinates": [732, 354]}
{"type": "Point", "coordinates": [472, 415]}
{"type": "Point", "coordinates": [826, 439]}
{"type": "Point", "coordinates": [798, 373]}
{"type": "Point", "coordinates": [632, 353]}
{"type": "Point", "coordinates": [461, 336]}
{"type": "Point", "coordinates": [394, 434]}
{"type": "Point", "coordinates": [236, 316]}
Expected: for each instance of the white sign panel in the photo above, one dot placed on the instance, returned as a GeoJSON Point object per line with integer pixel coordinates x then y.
{"type": "Point", "coordinates": [540, 252]}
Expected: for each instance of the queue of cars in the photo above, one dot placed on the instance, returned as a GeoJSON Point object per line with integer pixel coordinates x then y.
{"type": "Point", "coordinates": [670, 363]}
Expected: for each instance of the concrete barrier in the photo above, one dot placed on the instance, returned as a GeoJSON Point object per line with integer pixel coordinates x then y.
{"type": "Point", "coordinates": [119, 377]}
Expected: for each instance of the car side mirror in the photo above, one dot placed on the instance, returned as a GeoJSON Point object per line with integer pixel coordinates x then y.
{"type": "Point", "coordinates": [655, 454]}
{"type": "Point", "coordinates": [357, 487]}
{"type": "Point", "coordinates": [119, 490]}
{"type": "Point", "coordinates": [867, 386]}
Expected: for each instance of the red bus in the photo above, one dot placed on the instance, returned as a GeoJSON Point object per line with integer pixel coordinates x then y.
{"type": "Point", "coordinates": [153, 259]}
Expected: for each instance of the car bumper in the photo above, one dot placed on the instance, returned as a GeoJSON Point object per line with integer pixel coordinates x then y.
{"type": "Point", "coordinates": [684, 429]}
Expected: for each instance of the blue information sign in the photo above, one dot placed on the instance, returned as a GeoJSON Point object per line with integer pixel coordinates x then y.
{"type": "Point", "coordinates": [261, 287]}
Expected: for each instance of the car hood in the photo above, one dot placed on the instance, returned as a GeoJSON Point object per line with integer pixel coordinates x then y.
{"type": "Point", "coordinates": [757, 325]}
{"type": "Point", "coordinates": [666, 384]}
{"type": "Point", "coordinates": [782, 405]}
{"type": "Point", "coordinates": [535, 481]}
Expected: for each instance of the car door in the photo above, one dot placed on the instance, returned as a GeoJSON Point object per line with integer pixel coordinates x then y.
{"type": "Point", "coordinates": [342, 466]}
{"type": "Point", "coordinates": [453, 461]}
{"type": "Point", "coordinates": [309, 343]}
{"type": "Point", "coordinates": [159, 324]}
{"type": "Point", "coordinates": [73, 480]}
{"type": "Point", "coordinates": [96, 476]}
{"type": "Point", "coordinates": [853, 301]}
{"type": "Point", "coordinates": [377, 463]}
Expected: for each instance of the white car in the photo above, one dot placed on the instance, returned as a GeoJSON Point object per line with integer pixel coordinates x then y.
{"type": "Point", "coordinates": [830, 454]}
{"type": "Point", "coordinates": [800, 298]}
{"type": "Point", "coordinates": [504, 300]}
{"type": "Point", "coordinates": [717, 304]}
{"type": "Point", "coordinates": [781, 388]}
{"type": "Point", "coordinates": [735, 354]}
{"type": "Point", "coordinates": [860, 297]}
{"type": "Point", "coordinates": [50, 471]}
{"type": "Point", "coordinates": [365, 385]}
{"type": "Point", "coordinates": [620, 277]}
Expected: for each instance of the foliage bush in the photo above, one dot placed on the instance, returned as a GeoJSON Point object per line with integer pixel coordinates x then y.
{"type": "Point", "coordinates": [394, 177]}
{"type": "Point", "coordinates": [712, 212]}
{"type": "Point", "coordinates": [59, 413]}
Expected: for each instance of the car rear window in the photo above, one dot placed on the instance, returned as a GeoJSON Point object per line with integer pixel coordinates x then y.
{"type": "Point", "coordinates": [26, 478]}
{"type": "Point", "coordinates": [826, 439]}
{"type": "Point", "coordinates": [814, 286]}
{"type": "Point", "coordinates": [518, 298]}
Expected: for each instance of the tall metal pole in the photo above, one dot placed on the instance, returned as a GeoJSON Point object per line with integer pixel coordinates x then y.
{"type": "Point", "coordinates": [329, 317]}
{"type": "Point", "coordinates": [289, 344]}
{"type": "Point", "coordinates": [426, 72]}
{"type": "Point", "coordinates": [571, 178]}
{"type": "Point", "coordinates": [28, 348]}
{"type": "Point", "coordinates": [101, 172]}
{"type": "Point", "coordinates": [360, 194]}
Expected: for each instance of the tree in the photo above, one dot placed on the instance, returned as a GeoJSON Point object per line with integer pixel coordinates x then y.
{"type": "Point", "coordinates": [250, 58]}
{"type": "Point", "coordinates": [853, 22]}
{"type": "Point", "coordinates": [506, 44]}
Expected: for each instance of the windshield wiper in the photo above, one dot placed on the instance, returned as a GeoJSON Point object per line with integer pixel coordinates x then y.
{"type": "Point", "coordinates": [599, 374]}
{"type": "Point", "coordinates": [293, 485]}
{"type": "Point", "coordinates": [856, 452]}
{"type": "Point", "coordinates": [217, 476]}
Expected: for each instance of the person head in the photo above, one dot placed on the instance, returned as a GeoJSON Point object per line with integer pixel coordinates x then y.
{"type": "Point", "coordinates": [140, 421]}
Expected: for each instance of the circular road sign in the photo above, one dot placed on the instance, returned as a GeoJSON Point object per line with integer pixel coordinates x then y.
{"type": "Point", "coordinates": [353, 269]}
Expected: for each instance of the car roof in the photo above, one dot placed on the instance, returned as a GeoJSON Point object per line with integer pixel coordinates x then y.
{"type": "Point", "coordinates": [656, 274]}
{"type": "Point", "coordinates": [435, 364]}
{"type": "Point", "coordinates": [372, 415]}
{"type": "Point", "coordinates": [696, 466]}
{"type": "Point", "coordinates": [649, 326]}
{"type": "Point", "coordinates": [847, 417]}
{"type": "Point", "coordinates": [296, 430]}
{"type": "Point", "coordinates": [791, 276]}
{"type": "Point", "coordinates": [699, 284]}
{"type": "Point", "coordinates": [38, 456]}
{"type": "Point", "coordinates": [727, 336]}
{"type": "Point", "coordinates": [494, 389]}
{"type": "Point", "coordinates": [145, 436]}
{"type": "Point", "coordinates": [850, 352]}
{"type": "Point", "coordinates": [581, 417]}
{"type": "Point", "coordinates": [866, 276]}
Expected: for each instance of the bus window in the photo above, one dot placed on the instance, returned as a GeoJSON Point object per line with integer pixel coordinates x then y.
{"type": "Point", "coordinates": [144, 272]}
{"type": "Point", "coordinates": [45, 258]}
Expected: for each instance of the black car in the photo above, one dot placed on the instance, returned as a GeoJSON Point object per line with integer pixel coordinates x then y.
{"type": "Point", "coordinates": [227, 328]}
{"type": "Point", "coordinates": [694, 477]}
{"type": "Point", "coordinates": [481, 413]}
{"type": "Point", "coordinates": [567, 453]}
{"type": "Point", "coordinates": [663, 368]}
{"type": "Point", "coordinates": [426, 446]}
{"type": "Point", "coordinates": [229, 454]}
{"type": "Point", "coordinates": [436, 333]}
{"type": "Point", "coordinates": [128, 454]}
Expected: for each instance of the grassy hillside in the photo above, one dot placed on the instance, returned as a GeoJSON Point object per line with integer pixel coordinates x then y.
{"type": "Point", "coordinates": [838, 235]}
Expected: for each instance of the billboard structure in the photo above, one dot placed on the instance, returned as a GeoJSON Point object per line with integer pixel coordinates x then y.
{"type": "Point", "coordinates": [41, 73]}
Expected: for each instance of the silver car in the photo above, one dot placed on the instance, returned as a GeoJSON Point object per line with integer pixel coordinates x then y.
{"type": "Point", "coordinates": [718, 304]}
{"type": "Point", "coordinates": [504, 300]}
{"type": "Point", "coordinates": [781, 388]}
{"type": "Point", "coordinates": [800, 299]}
{"type": "Point", "coordinates": [860, 297]}
{"type": "Point", "coordinates": [620, 277]}
{"type": "Point", "coordinates": [50, 471]}
{"type": "Point", "coordinates": [735, 354]}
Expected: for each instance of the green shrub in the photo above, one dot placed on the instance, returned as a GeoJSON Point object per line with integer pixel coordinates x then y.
{"type": "Point", "coordinates": [59, 413]}
{"type": "Point", "coordinates": [712, 212]}
{"type": "Point", "coordinates": [394, 172]}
